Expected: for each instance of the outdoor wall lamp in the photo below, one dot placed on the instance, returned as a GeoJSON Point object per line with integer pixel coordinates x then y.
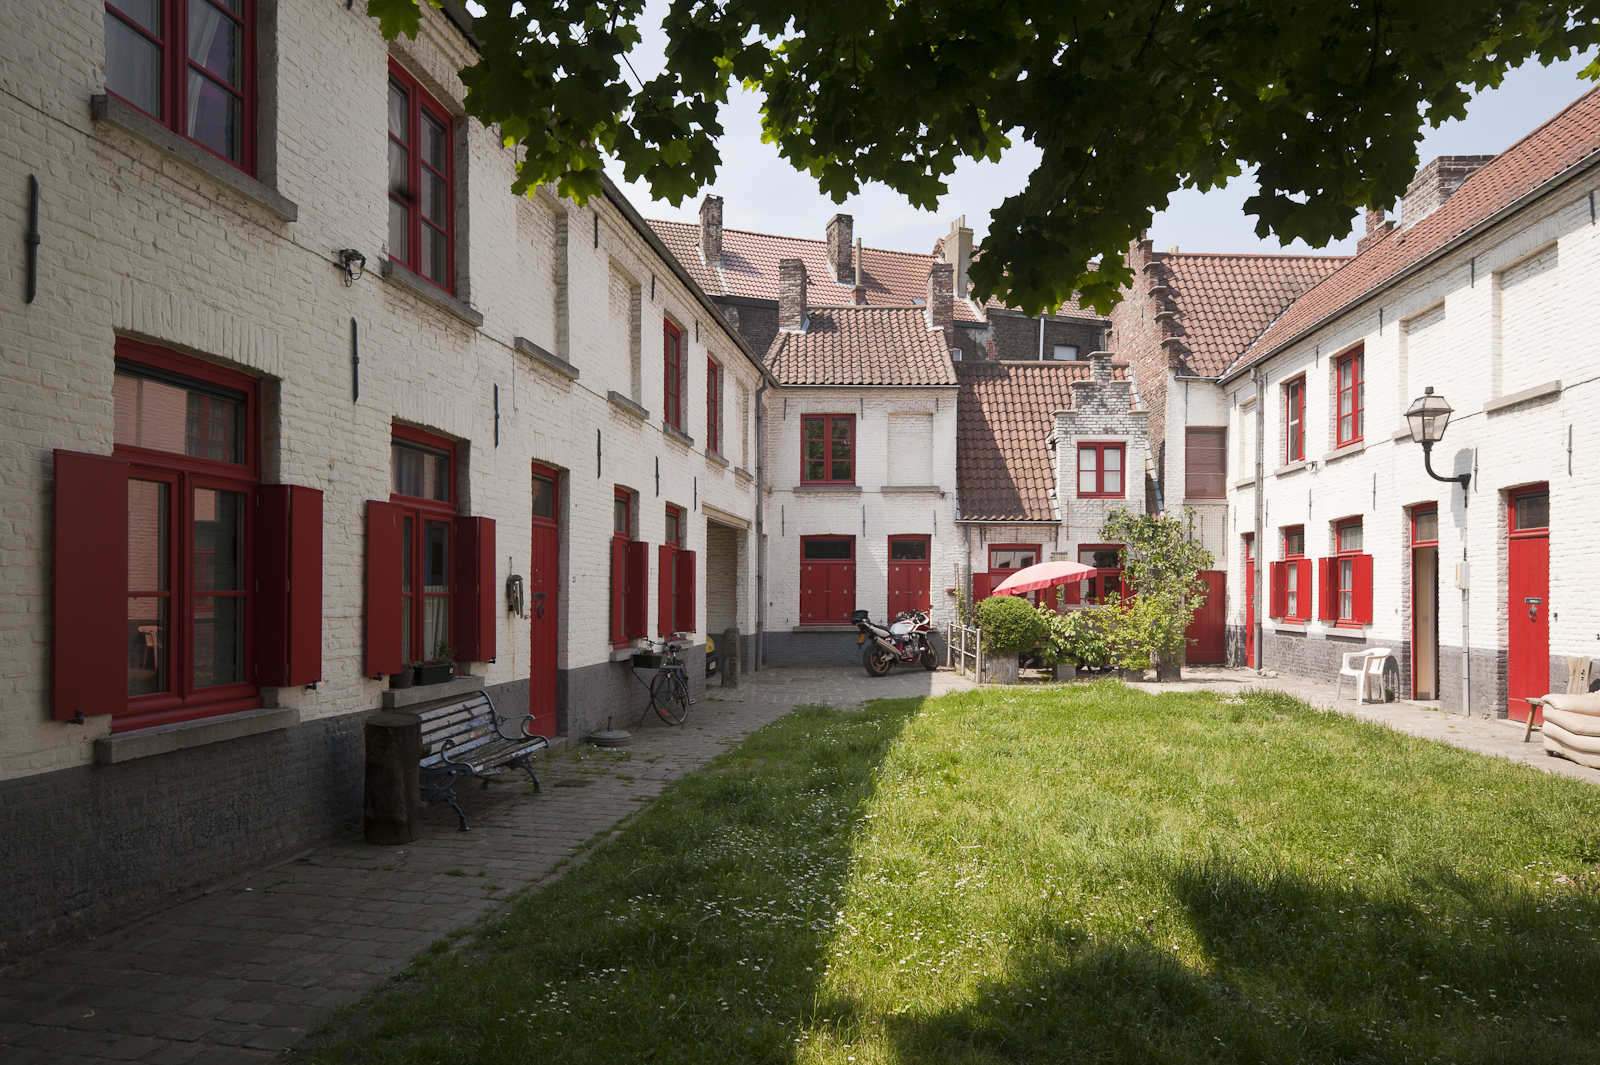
{"type": "Point", "coordinates": [1428, 416]}
{"type": "Point", "coordinates": [353, 263]}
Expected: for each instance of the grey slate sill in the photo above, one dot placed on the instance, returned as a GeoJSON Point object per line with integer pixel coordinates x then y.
{"type": "Point", "coordinates": [112, 112]}
{"type": "Point", "coordinates": [890, 489]}
{"type": "Point", "coordinates": [677, 435]}
{"type": "Point", "coordinates": [1289, 467]}
{"type": "Point", "coordinates": [1549, 388]}
{"type": "Point", "coordinates": [617, 399]}
{"type": "Point", "coordinates": [163, 739]}
{"type": "Point", "coordinates": [400, 698]}
{"type": "Point", "coordinates": [1343, 452]}
{"type": "Point", "coordinates": [716, 458]}
{"type": "Point", "coordinates": [624, 654]}
{"type": "Point", "coordinates": [428, 292]}
{"type": "Point", "coordinates": [825, 628]}
{"type": "Point", "coordinates": [743, 474]}
{"type": "Point", "coordinates": [543, 357]}
{"type": "Point", "coordinates": [807, 489]}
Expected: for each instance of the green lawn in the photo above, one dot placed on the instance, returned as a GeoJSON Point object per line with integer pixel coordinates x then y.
{"type": "Point", "coordinates": [1073, 874]}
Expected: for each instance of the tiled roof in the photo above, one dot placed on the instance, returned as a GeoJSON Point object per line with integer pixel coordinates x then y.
{"type": "Point", "coordinates": [1553, 148]}
{"type": "Point", "coordinates": [1004, 412]}
{"type": "Point", "coordinates": [1224, 302]}
{"type": "Point", "coordinates": [862, 346]}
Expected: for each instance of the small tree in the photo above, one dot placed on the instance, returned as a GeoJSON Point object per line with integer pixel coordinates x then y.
{"type": "Point", "coordinates": [1161, 562]}
{"type": "Point", "coordinates": [1010, 625]}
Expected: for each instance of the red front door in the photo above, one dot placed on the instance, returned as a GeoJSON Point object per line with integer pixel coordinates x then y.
{"type": "Point", "coordinates": [1528, 585]}
{"type": "Point", "coordinates": [543, 606]}
{"type": "Point", "coordinates": [908, 574]}
{"type": "Point", "coordinates": [1249, 602]}
{"type": "Point", "coordinates": [1209, 629]}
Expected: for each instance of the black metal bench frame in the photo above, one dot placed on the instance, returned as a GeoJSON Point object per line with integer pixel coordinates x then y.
{"type": "Point", "coordinates": [466, 738]}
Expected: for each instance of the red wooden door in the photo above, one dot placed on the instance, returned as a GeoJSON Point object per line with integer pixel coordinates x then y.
{"type": "Point", "coordinates": [908, 574]}
{"type": "Point", "coordinates": [827, 580]}
{"type": "Point", "coordinates": [1209, 629]}
{"type": "Point", "coordinates": [1250, 602]}
{"type": "Point", "coordinates": [544, 606]}
{"type": "Point", "coordinates": [1528, 617]}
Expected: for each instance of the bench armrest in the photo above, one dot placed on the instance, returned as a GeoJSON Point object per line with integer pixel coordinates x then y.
{"type": "Point", "coordinates": [527, 730]}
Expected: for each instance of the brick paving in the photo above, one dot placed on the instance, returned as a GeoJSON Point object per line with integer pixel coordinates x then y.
{"type": "Point", "coordinates": [244, 971]}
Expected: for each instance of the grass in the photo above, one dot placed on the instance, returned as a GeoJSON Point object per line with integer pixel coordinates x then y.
{"type": "Point", "coordinates": [1082, 874]}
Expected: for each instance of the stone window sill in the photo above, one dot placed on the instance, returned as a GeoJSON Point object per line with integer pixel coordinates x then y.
{"type": "Point", "coordinates": [1289, 626]}
{"type": "Point", "coordinates": [1248, 482]}
{"type": "Point", "coordinates": [544, 358]}
{"type": "Point", "coordinates": [1289, 467]}
{"type": "Point", "coordinates": [110, 111]}
{"type": "Point", "coordinates": [716, 458]}
{"type": "Point", "coordinates": [743, 474]}
{"type": "Point", "coordinates": [163, 739]}
{"type": "Point", "coordinates": [678, 435]}
{"type": "Point", "coordinates": [428, 292]}
{"type": "Point", "coordinates": [1549, 388]}
{"type": "Point", "coordinates": [400, 698]}
{"type": "Point", "coordinates": [1209, 501]}
{"type": "Point", "coordinates": [623, 403]}
{"type": "Point", "coordinates": [1345, 452]}
{"type": "Point", "coordinates": [890, 489]}
{"type": "Point", "coordinates": [807, 489]}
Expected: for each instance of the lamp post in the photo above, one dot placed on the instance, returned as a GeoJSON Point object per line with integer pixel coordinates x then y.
{"type": "Point", "coordinates": [1429, 414]}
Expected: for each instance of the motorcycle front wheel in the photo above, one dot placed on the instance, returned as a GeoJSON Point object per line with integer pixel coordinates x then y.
{"type": "Point", "coordinates": [930, 658]}
{"type": "Point", "coordinates": [877, 660]}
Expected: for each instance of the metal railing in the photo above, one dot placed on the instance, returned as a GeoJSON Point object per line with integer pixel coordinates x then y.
{"type": "Point", "coordinates": [964, 643]}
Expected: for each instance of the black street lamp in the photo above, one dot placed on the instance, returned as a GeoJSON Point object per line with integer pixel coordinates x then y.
{"type": "Point", "coordinates": [1429, 415]}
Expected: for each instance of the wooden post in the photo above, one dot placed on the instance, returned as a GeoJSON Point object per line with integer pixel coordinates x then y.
{"type": "Point", "coordinates": [730, 658]}
{"type": "Point", "coordinates": [392, 808]}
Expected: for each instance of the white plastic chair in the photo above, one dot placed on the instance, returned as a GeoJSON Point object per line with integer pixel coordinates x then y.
{"type": "Point", "coordinates": [1354, 665]}
{"type": "Point", "coordinates": [1377, 661]}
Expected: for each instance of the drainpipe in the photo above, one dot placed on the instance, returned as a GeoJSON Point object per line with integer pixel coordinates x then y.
{"type": "Point", "coordinates": [761, 538]}
{"type": "Point", "coordinates": [1466, 604]}
{"type": "Point", "coordinates": [1041, 338]}
{"type": "Point", "coordinates": [1261, 517]}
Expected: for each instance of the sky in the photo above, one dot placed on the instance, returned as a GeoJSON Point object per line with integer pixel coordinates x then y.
{"type": "Point", "coordinates": [761, 192]}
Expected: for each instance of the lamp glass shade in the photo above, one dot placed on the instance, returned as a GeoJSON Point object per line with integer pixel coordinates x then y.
{"type": "Point", "coordinates": [1429, 414]}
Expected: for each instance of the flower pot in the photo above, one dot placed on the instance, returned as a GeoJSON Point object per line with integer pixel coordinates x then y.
{"type": "Point", "coordinates": [435, 673]}
{"type": "Point", "coordinates": [403, 679]}
{"type": "Point", "coordinates": [1065, 671]}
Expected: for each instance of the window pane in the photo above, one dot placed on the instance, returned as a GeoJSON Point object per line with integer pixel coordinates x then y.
{"type": "Point", "coordinates": [828, 549]}
{"type": "Point", "coordinates": [619, 517]}
{"type": "Point", "coordinates": [218, 540]}
{"type": "Point", "coordinates": [399, 228]}
{"type": "Point", "coordinates": [1087, 458]}
{"type": "Point", "coordinates": [435, 626]}
{"type": "Point", "coordinates": [399, 108]}
{"type": "Point", "coordinates": [435, 556]}
{"type": "Point", "coordinates": [1087, 484]}
{"type": "Point", "coordinates": [435, 199]}
{"type": "Point", "coordinates": [811, 429]}
{"type": "Point", "coordinates": [218, 640]}
{"type": "Point", "coordinates": [816, 470]}
{"type": "Point", "coordinates": [434, 142]}
{"type": "Point", "coordinates": [215, 116]}
{"type": "Point", "coordinates": [1428, 525]}
{"type": "Point", "coordinates": [909, 550]}
{"type": "Point", "coordinates": [1113, 480]}
{"type": "Point", "coordinates": [133, 62]}
{"type": "Point", "coordinates": [1533, 511]}
{"type": "Point", "coordinates": [1294, 544]}
{"type": "Point", "coordinates": [146, 13]}
{"type": "Point", "coordinates": [433, 260]}
{"type": "Point", "coordinates": [841, 471]}
{"type": "Point", "coordinates": [168, 417]}
{"type": "Point", "coordinates": [147, 536]}
{"type": "Point", "coordinates": [1099, 557]}
{"type": "Point", "coordinates": [672, 527]}
{"type": "Point", "coordinates": [147, 645]}
{"type": "Point", "coordinates": [399, 165]}
{"type": "Point", "coordinates": [544, 498]}
{"type": "Point", "coordinates": [216, 41]}
{"type": "Point", "coordinates": [420, 472]}
{"type": "Point", "coordinates": [1350, 537]}
{"type": "Point", "coordinates": [1066, 352]}
{"type": "Point", "coordinates": [1113, 459]}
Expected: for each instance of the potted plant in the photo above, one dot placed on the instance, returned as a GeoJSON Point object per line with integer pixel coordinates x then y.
{"type": "Point", "coordinates": [440, 668]}
{"type": "Point", "coordinates": [1010, 627]}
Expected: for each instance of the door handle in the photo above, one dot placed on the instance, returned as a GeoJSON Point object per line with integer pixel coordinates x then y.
{"type": "Point", "coordinates": [1533, 613]}
{"type": "Point", "coordinates": [539, 608]}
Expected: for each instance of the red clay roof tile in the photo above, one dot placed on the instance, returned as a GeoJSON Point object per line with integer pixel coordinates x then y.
{"type": "Point", "coordinates": [862, 346]}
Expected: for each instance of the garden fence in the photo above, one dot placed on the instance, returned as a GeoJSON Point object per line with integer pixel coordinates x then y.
{"type": "Point", "coordinates": [965, 644]}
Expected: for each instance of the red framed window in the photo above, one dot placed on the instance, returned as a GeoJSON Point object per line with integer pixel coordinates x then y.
{"type": "Point", "coordinates": [1004, 560]}
{"type": "Point", "coordinates": [1294, 420]}
{"type": "Point", "coordinates": [1100, 470]}
{"type": "Point", "coordinates": [1107, 584]}
{"type": "Point", "coordinates": [675, 579]}
{"type": "Point", "coordinates": [188, 432]}
{"type": "Point", "coordinates": [672, 386]}
{"type": "Point", "coordinates": [421, 182]}
{"type": "Point", "coordinates": [827, 579]}
{"type": "Point", "coordinates": [1351, 389]}
{"type": "Point", "coordinates": [423, 475]}
{"type": "Point", "coordinates": [190, 65]}
{"type": "Point", "coordinates": [713, 406]}
{"type": "Point", "coordinates": [1425, 526]}
{"type": "Point", "coordinates": [630, 563]}
{"type": "Point", "coordinates": [1347, 577]}
{"type": "Point", "coordinates": [1205, 463]}
{"type": "Point", "coordinates": [1529, 511]}
{"type": "Point", "coordinates": [828, 449]}
{"type": "Point", "coordinates": [1291, 578]}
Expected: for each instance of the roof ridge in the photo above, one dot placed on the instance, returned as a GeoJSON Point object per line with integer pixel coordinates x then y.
{"type": "Point", "coordinates": [779, 236]}
{"type": "Point", "coordinates": [1247, 255]}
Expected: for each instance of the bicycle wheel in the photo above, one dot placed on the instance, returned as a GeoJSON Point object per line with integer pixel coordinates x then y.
{"type": "Point", "coordinates": [670, 698]}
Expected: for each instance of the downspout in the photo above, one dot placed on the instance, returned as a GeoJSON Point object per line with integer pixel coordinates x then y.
{"type": "Point", "coordinates": [1466, 601]}
{"type": "Point", "coordinates": [1261, 516]}
{"type": "Point", "coordinates": [1041, 338]}
{"type": "Point", "coordinates": [761, 534]}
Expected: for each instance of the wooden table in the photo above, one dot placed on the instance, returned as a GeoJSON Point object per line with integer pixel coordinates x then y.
{"type": "Point", "coordinates": [1527, 733]}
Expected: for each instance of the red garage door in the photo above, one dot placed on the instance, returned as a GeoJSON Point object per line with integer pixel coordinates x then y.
{"type": "Point", "coordinates": [827, 579]}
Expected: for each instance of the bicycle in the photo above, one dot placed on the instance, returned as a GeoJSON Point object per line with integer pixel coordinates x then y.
{"type": "Point", "coordinates": [669, 691]}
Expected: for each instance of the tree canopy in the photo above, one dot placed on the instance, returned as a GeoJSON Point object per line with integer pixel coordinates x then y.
{"type": "Point", "coordinates": [1127, 100]}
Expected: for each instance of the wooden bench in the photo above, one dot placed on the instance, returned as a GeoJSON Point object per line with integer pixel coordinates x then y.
{"type": "Point", "coordinates": [464, 738]}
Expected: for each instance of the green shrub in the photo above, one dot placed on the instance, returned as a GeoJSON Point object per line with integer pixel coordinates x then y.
{"type": "Point", "coordinates": [1082, 637]}
{"type": "Point", "coordinates": [1010, 624]}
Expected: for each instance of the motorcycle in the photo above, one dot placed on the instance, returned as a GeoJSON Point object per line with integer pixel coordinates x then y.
{"type": "Point", "coordinates": [905, 641]}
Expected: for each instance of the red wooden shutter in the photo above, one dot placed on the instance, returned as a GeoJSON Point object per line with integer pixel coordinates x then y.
{"type": "Point", "coordinates": [1363, 589]}
{"type": "Point", "coordinates": [664, 572]}
{"type": "Point", "coordinates": [1304, 582]}
{"type": "Point", "coordinates": [1278, 585]}
{"type": "Point", "coordinates": [636, 607]}
{"type": "Point", "coordinates": [475, 598]}
{"type": "Point", "coordinates": [90, 565]}
{"type": "Point", "coordinates": [619, 590]}
{"type": "Point", "coordinates": [384, 532]}
{"type": "Point", "coordinates": [685, 621]}
{"type": "Point", "coordinates": [288, 630]}
{"type": "Point", "coordinates": [1328, 589]}
{"type": "Point", "coordinates": [980, 587]}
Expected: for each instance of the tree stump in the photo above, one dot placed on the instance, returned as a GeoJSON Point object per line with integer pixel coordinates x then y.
{"type": "Point", "coordinates": [392, 805]}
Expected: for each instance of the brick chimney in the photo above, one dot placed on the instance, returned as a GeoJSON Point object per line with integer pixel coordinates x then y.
{"type": "Point", "coordinates": [1435, 183]}
{"type": "Point", "coordinates": [941, 309]}
{"type": "Point", "coordinates": [791, 295]}
{"type": "Point", "coordinates": [859, 295]}
{"type": "Point", "coordinates": [1377, 229]}
{"type": "Point", "coordinates": [958, 253]}
{"type": "Point", "coordinates": [840, 230]}
{"type": "Point", "coordinates": [711, 230]}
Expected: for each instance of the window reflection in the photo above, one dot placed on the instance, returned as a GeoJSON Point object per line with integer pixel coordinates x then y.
{"type": "Point", "coordinates": [165, 416]}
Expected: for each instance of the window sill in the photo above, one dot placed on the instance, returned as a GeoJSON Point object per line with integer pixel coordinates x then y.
{"type": "Point", "coordinates": [164, 739]}
{"type": "Point", "coordinates": [400, 698]}
{"type": "Point", "coordinates": [429, 292]}
{"type": "Point", "coordinates": [1400, 435]}
{"type": "Point", "coordinates": [891, 489]}
{"type": "Point", "coordinates": [1347, 630]}
{"type": "Point", "coordinates": [1347, 450]}
{"type": "Point", "coordinates": [1248, 482]}
{"type": "Point", "coordinates": [544, 358]}
{"type": "Point", "coordinates": [828, 627]}
{"type": "Point", "coordinates": [1549, 388]}
{"type": "Point", "coordinates": [678, 435]}
{"type": "Point", "coordinates": [1209, 501]}
{"type": "Point", "coordinates": [1287, 625]}
{"type": "Point", "coordinates": [743, 474]}
{"type": "Point", "coordinates": [625, 654]}
{"type": "Point", "coordinates": [1290, 467]}
{"type": "Point", "coordinates": [113, 112]}
{"type": "Point", "coordinates": [806, 489]}
{"type": "Point", "coordinates": [628, 406]}
{"type": "Point", "coordinates": [716, 458]}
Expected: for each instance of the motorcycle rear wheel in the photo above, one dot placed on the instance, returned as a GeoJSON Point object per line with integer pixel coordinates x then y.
{"type": "Point", "coordinates": [877, 661]}
{"type": "Point", "coordinates": [930, 658]}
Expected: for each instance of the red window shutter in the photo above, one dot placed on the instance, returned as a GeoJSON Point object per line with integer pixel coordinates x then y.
{"type": "Point", "coordinates": [1363, 589]}
{"type": "Point", "coordinates": [637, 605]}
{"type": "Point", "coordinates": [1279, 599]}
{"type": "Point", "coordinates": [288, 629]}
{"type": "Point", "coordinates": [90, 565]}
{"type": "Point", "coordinates": [664, 572]}
{"type": "Point", "coordinates": [619, 590]}
{"type": "Point", "coordinates": [475, 597]}
{"type": "Point", "coordinates": [685, 621]}
{"type": "Point", "coordinates": [1074, 590]}
{"type": "Point", "coordinates": [1304, 582]}
{"type": "Point", "coordinates": [384, 532]}
{"type": "Point", "coordinates": [1328, 589]}
{"type": "Point", "coordinates": [980, 588]}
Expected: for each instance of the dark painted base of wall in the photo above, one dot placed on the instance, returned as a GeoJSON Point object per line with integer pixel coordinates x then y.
{"type": "Point", "coordinates": [589, 696]}
{"type": "Point", "coordinates": [812, 649]}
